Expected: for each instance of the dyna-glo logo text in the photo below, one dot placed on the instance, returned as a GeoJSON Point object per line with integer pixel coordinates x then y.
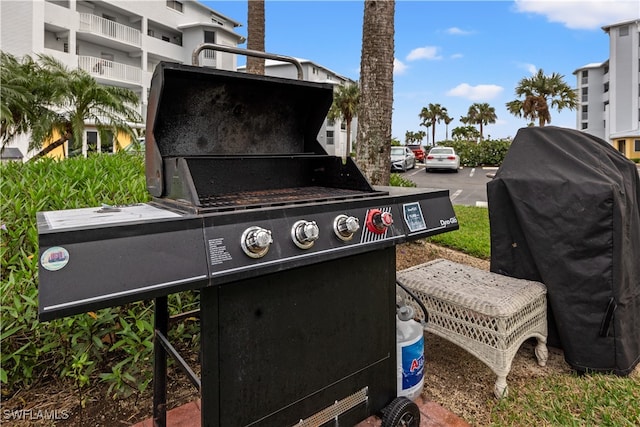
{"type": "Point", "coordinates": [450, 221]}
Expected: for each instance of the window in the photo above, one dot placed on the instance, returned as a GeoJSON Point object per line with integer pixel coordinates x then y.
{"type": "Point", "coordinates": [585, 77]}
{"type": "Point", "coordinates": [215, 20]}
{"type": "Point", "coordinates": [166, 38]}
{"type": "Point", "coordinates": [584, 125]}
{"type": "Point", "coordinates": [150, 32]}
{"type": "Point", "coordinates": [623, 31]}
{"type": "Point", "coordinates": [209, 37]}
{"type": "Point", "coordinates": [636, 145]}
{"type": "Point", "coordinates": [175, 5]}
{"type": "Point", "coordinates": [106, 144]}
{"type": "Point", "coordinates": [65, 47]}
{"type": "Point", "coordinates": [606, 87]}
{"type": "Point", "coordinates": [585, 112]}
{"type": "Point", "coordinates": [92, 141]}
{"type": "Point", "coordinates": [606, 69]}
{"type": "Point", "coordinates": [329, 137]}
{"type": "Point", "coordinates": [331, 122]}
{"type": "Point", "coordinates": [343, 126]}
{"type": "Point", "coordinates": [585, 94]}
{"type": "Point", "coordinates": [606, 104]}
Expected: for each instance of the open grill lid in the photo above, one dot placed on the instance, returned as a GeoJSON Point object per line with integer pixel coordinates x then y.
{"type": "Point", "coordinates": [213, 133]}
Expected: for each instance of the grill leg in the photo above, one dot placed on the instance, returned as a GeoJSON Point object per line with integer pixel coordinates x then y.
{"type": "Point", "coordinates": [161, 325]}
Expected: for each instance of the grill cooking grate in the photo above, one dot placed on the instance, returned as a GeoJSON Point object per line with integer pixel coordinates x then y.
{"type": "Point", "coordinates": [277, 197]}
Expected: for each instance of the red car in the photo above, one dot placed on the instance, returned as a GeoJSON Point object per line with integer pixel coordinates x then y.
{"type": "Point", "coordinates": [418, 151]}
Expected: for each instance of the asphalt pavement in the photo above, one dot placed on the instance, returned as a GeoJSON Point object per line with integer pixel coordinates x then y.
{"type": "Point", "coordinates": [466, 187]}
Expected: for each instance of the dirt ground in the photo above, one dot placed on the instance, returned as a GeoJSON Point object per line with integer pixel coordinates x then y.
{"type": "Point", "coordinates": [453, 378]}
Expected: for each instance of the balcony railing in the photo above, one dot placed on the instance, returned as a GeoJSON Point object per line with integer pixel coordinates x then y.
{"type": "Point", "coordinates": [97, 25]}
{"type": "Point", "coordinates": [104, 68]}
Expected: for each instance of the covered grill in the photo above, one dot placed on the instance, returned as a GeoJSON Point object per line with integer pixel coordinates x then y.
{"type": "Point", "coordinates": [292, 251]}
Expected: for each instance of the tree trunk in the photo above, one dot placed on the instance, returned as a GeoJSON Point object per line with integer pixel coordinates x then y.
{"type": "Point", "coordinates": [348, 139]}
{"type": "Point", "coordinates": [49, 148]}
{"type": "Point", "coordinates": [255, 35]}
{"type": "Point", "coordinates": [376, 91]}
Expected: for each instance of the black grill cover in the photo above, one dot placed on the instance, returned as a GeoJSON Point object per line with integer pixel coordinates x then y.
{"type": "Point", "coordinates": [564, 209]}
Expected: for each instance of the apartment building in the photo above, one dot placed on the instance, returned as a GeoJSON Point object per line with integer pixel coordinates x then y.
{"type": "Point", "coordinates": [118, 42]}
{"type": "Point", "coordinates": [609, 91]}
{"type": "Point", "coordinates": [333, 134]}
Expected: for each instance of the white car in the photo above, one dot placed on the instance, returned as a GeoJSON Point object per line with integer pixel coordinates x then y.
{"type": "Point", "coordinates": [402, 158]}
{"type": "Point", "coordinates": [442, 158]}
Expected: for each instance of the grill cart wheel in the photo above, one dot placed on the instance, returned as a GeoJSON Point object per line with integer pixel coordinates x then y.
{"type": "Point", "coordinates": [401, 412]}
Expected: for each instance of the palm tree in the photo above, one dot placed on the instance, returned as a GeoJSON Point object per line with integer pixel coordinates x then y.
{"type": "Point", "coordinates": [414, 137]}
{"type": "Point", "coordinates": [345, 107]}
{"type": "Point", "coordinates": [467, 133]}
{"type": "Point", "coordinates": [24, 93]}
{"type": "Point", "coordinates": [538, 91]}
{"type": "Point", "coordinates": [79, 98]}
{"type": "Point", "coordinates": [447, 120]}
{"type": "Point", "coordinates": [376, 91]}
{"type": "Point", "coordinates": [432, 115]}
{"type": "Point", "coordinates": [255, 35]}
{"type": "Point", "coordinates": [480, 114]}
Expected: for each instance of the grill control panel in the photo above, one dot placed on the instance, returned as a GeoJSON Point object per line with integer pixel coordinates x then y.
{"type": "Point", "coordinates": [141, 251]}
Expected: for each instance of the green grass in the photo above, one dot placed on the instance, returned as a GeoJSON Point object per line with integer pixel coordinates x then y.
{"type": "Point", "coordinates": [473, 236]}
{"type": "Point", "coordinates": [571, 400]}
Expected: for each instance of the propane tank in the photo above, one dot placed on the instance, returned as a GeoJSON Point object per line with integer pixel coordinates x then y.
{"type": "Point", "coordinates": [410, 354]}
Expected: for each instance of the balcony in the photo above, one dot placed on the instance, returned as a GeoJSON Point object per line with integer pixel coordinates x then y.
{"type": "Point", "coordinates": [109, 71]}
{"type": "Point", "coordinates": [120, 34]}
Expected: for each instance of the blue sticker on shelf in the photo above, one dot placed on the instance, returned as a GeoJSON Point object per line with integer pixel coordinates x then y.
{"type": "Point", "coordinates": [54, 258]}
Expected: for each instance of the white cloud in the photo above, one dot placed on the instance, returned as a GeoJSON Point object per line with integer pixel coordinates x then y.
{"type": "Point", "coordinates": [582, 14]}
{"type": "Point", "coordinates": [476, 93]}
{"type": "Point", "coordinates": [457, 31]}
{"type": "Point", "coordinates": [456, 56]}
{"type": "Point", "coordinates": [426, 52]}
{"type": "Point", "coordinates": [532, 69]}
{"type": "Point", "coordinates": [398, 67]}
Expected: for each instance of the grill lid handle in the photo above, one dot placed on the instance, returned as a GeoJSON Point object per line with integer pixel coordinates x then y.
{"type": "Point", "coordinates": [246, 52]}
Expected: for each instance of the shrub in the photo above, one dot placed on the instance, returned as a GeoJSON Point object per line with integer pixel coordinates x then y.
{"type": "Point", "coordinates": [485, 153]}
{"type": "Point", "coordinates": [77, 347]}
{"type": "Point", "coordinates": [396, 180]}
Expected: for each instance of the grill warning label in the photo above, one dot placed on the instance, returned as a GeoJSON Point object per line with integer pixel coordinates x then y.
{"type": "Point", "coordinates": [218, 251]}
{"type": "Point", "coordinates": [413, 217]}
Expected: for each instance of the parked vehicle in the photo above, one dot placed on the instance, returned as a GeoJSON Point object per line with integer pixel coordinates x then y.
{"type": "Point", "coordinates": [418, 151]}
{"type": "Point", "coordinates": [442, 158]}
{"type": "Point", "coordinates": [402, 158]}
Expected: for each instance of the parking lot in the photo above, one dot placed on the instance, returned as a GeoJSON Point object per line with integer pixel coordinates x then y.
{"type": "Point", "coordinates": [467, 187]}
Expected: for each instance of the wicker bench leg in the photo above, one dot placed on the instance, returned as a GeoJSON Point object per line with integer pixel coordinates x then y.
{"type": "Point", "coordinates": [542, 353]}
{"type": "Point", "coordinates": [500, 389]}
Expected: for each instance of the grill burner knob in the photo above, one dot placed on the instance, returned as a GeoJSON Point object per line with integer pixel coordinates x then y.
{"type": "Point", "coordinates": [256, 241]}
{"type": "Point", "coordinates": [345, 227]}
{"type": "Point", "coordinates": [378, 221]}
{"type": "Point", "coordinates": [304, 233]}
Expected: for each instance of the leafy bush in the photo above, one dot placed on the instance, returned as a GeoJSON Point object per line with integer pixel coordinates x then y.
{"type": "Point", "coordinates": [396, 180]}
{"type": "Point", "coordinates": [485, 153]}
{"type": "Point", "coordinates": [78, 346]}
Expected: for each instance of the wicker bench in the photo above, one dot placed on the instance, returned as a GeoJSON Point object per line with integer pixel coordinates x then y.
{"type": "Point", "coordinates": [487, 314]}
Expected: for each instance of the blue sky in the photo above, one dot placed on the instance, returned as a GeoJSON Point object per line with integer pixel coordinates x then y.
{"type": "Point", "coordinates": [452, 53]}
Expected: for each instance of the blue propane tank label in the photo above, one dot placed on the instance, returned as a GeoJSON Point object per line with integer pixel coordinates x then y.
{"type": "Point", "coordinates": [412, 364]}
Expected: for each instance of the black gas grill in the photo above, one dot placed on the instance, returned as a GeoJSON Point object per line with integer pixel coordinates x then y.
{"type": "Point", "coordinates": [292, 251]}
